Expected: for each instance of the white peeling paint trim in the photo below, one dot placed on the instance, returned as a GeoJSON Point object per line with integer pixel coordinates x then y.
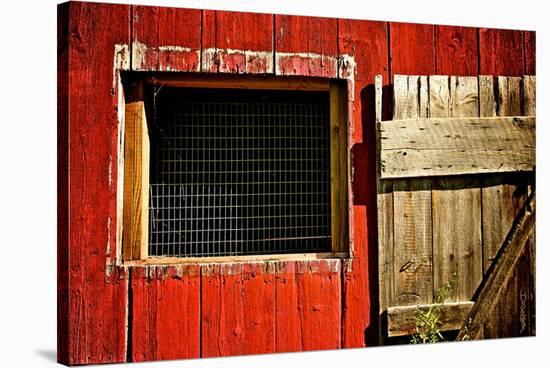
{"type": "Point", "coordinates": [212, 55]}
{"type": "Point", "coordinates": [170, 48]}
{"type": "Point", "coordinates": [139, 52]}
{"type": "Point", "coordinates": [121, 61]}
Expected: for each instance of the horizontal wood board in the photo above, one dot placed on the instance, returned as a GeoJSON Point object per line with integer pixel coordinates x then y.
{"type": "Point", "coordinates": [456, 146]}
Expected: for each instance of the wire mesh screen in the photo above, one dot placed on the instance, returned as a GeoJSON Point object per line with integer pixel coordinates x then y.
{"type": "Point", "coordinates": [237, 172]}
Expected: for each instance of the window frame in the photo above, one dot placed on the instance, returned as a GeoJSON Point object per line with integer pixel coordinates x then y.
{"type": "Point", "coordinates": [135, 147]}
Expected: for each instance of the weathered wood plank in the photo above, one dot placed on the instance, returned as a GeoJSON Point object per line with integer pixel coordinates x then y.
{"type": "Point", "coordinates": [456, 202]}
{"type": "Point", "coordinates": [412, 248]}
{"type": "Point", "coordinates": [308, 305]}
{"type": "Point", "coordinates": [97, 290]}
{"type": "Point", "coordinates": [166, 38]}
{"type": "Point", "coordinates": [236, 42]}
{"type": "Point", "coordinates": [411, 52]}
{"type": "Point", "coordinates": [362, 40]}
{"type": "Point", "coordinates": [165, 312]}
{"type": "Point", "coordinates": [465, 132]}
{"type": "Point", "coordinates": [502, 271]}
{"type": "Point", "coordinates": [529, 94]}
{"type": "Point", "coordinates": [306, 46]}
{"type": "Point", "coordinates": [487, 103]}
{"type": "Point", "coordinates": [410, 97]}
{"type": "Point", "coordinates": [384, 202]}
{"type": "Point", "coordinates": [529, 107]}
{"type": "Point", "coordinates": [412, 205]}
{"type": "Point", "coordinates": [455, 146]}
{"type": "Point", "coordinates": [401, 320]}
{"type": "Point", "coordinates": [456, 210]}
{"type": "Point", "coordinates": [502, 198]}
{"type": "Point", "coordinates": [339, 166]}
{"type": "Point", "coordinates": [136, 175]}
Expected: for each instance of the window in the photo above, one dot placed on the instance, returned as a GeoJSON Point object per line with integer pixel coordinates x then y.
{"type": "Point", "coordinates": [234, 166]}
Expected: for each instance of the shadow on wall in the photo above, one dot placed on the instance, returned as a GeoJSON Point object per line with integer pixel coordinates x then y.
{"type": "Point", "coordinates": [48, 354]}
{"type": "Point", "coordinates": [363, 183]}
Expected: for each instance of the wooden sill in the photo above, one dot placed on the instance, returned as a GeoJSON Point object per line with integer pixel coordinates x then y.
{"type": "Point", "coordinates": [237, 259]}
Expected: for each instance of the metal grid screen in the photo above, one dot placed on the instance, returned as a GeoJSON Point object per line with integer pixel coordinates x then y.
{"type": "Point", "coordinates": [237, 172]}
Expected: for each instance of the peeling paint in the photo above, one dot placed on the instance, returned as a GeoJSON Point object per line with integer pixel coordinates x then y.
{"type": "Point", "coordinates": [165, 58]}
{"type": "Point", "coordinates": [231, 269]}
{"type": "Point", "coordinates": [170, 48]}
{"type": "Point", "coordinates": [121, 61]}
{"type": "Point", "coordinates": [110, 171]}
{"type": "Point", "coordinates": [348, 265]}
{"type": "Point", "coordinates": [108, 236]}
{"type": "Point", "coordinates": [121, 110]}
{"type": "Point", "coordinates": [237, 61]}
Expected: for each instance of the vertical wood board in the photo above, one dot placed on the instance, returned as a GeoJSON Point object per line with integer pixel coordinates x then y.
{"type": "Point", "coordinates": [502, 198]}
{"type": "Point", "coordinates": [501, 52]}
{"type": "Point", "coordinates": [456, 51]}
{"type": "Point", "coordinates": [136, 176]}
{"type": "Point", "coordinates": [306, 46]}
{"type": "Point", "coordinates": [237, 42]}
{"type": "Point", "coordinates": [166, 39]}
{"type": "Point", "coordinates": [97, 290]}
{"type": "Point", "coordinates": [530, 52]}
{"type": "Point", "coordinates": [308, 305]}
{"type": "Point", "coordinates": [165, 312]}
{"type": "Point", "coordinates": [412, 49]}
{"type": "Point", "coordinates": [238, 309]}
{"type": "Point", "coordinates": [367, 43]}
{"type": "Point", "coordinates": [456, 202]}
{"type": "Point", "coordinates": [412, 226]}
{"type": "Point", "coordinates": [63, 341]}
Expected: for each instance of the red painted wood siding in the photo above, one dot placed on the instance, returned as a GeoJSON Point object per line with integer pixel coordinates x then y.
{"type": "Point", "coordinates": [456, 50]}
{"type": "Point", "coordinates": [97, 295]}
{"type": "Point", "coordinates": [165, 319]}
{"type": "Point", "coordinates": [501, 52]}
{"type": "Point", "coordinates": [364, 41]}
{"type": "Point", "coordinates": [63, 340]}
{"type": "Point", "coordinates": [166, 38]}
{"type": "Point", "coordinates": [191, 311]}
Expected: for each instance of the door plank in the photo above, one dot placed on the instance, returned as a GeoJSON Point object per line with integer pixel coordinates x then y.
{"type": "Point", "coordinates": [412, 226]}
{"type": "Point", "coordinates": [456, 202]}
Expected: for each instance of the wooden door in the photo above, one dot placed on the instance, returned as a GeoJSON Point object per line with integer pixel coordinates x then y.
{"type": "Point", "coordinates": [453, 173]}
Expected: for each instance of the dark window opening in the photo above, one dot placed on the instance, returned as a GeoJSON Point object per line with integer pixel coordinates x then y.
{"type": "Point", "coordinates": [239, 172]}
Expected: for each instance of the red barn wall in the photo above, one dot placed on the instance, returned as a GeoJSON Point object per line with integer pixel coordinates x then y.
{"type": "Point", "coordinates": [108, 313]}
